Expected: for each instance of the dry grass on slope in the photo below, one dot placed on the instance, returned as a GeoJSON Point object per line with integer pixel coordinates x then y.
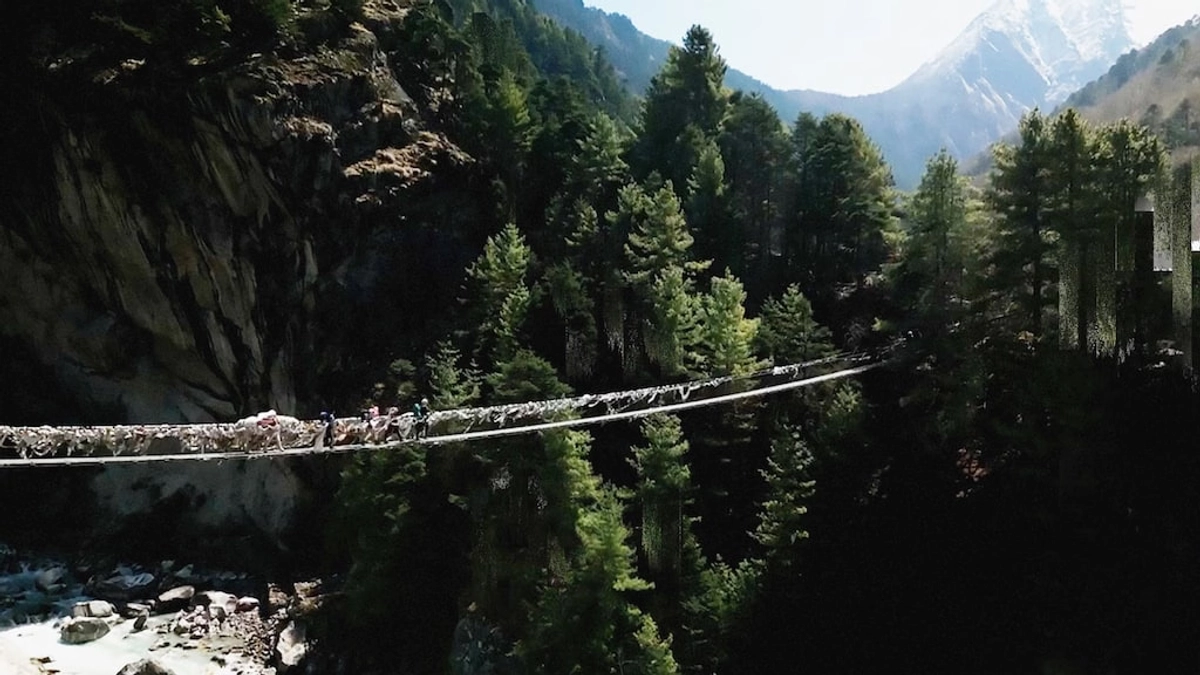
{"type": "Point", "coordinates": [1164, 96]}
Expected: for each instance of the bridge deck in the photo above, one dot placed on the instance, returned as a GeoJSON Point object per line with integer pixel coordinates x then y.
{"type": "Point", "coordinates": [280, 435]}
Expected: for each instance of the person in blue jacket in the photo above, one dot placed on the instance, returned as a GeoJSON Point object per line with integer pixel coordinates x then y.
{"type": "Point", "coordinates": [421, 417]}
{"type": "Point", "coordinates": [328, 420]}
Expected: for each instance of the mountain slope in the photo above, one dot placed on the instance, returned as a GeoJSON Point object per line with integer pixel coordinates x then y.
{"type": "Point", "coordinates": [1017, 55]}
{"type": "Point", "coordinates": [1158, 86]}
{"type": "Point", "coordinates": [638, 57]}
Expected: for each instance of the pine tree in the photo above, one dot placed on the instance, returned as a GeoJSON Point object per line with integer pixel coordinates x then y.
{"type": "Point", "coordinates": [1020, 198]}
{"type": "Point", "coordinates": [659, 273]}
{"type": "Point", "coordinates": [1131, 159]}
{"type": "Point", "coordinates": [562, 118]}
{"type": "Point", "coordinates": [935, 257]}
{"type": "Point", "coordinates": [500, 294]}
{"type": "Point", "coordinates": [523, 377]}
{"type": "Point", "coordinates": [841, 205]}
{"type": "Point", "coordinates": [510, 134]}
{"type": "Point", "coordinates": [451, 385]}
{"type": "Point", "coordinates": [781, 526]}
{"type": "Point", "coordinates": [671, 333]}
{"type": "Point", "coordinates": [577, 285]}
{"type": "Point", "coordinates": [684, 106]}
{"type": "Point", "coordinates": [754, 145]}
{"type": "Point", "coordinates": [407, 535]}
{"type": "Point", "coordinates": [659, 237]}
{"type": "Point", "coordinates": [1072, 213]}
{"type": "Point", "coordinates": [599, 168]}
{"type": "Point", "coordinates": [664, 481]}
{"type": "Point", "coordinates": [583, 620]}
{"type": "Point", "coordinates": [570, 294]}
{"type": "Point", "coordinates": [518, 518]}
{"type": "Point", "coordinates": [718, 235]}
{"type": "Point", "coordinates": [788, 332]}
{"type": "Point", "coordinates": [726, 335]}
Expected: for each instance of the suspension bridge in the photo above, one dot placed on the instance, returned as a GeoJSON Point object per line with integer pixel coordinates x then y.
{"type": "Point", "coordinates": [266, 436]}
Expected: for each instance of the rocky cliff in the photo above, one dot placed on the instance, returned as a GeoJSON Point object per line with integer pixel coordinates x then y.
{"type": "Point", "coordinates": [165, 258]}
{"type": "Point", "coordinates": [181, 244]}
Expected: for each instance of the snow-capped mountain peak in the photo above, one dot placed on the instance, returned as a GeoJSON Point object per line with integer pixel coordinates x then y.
{"type": "Point", "coordinates": [1065, 42]}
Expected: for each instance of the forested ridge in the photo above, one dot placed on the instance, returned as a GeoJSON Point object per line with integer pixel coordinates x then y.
{"type": "Point", "coordinates": [1154, 85]}
{"type": "Point", "coordinates": [986, 503]}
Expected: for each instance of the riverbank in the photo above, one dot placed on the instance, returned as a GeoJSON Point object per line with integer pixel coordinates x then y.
{"type": "Point", "coordinates": [62, 618]}
{"type": "Point", "coordinates": [36, 649]}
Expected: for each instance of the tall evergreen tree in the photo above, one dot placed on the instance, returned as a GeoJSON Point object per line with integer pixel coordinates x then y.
{"type": "Point", "coordinates": [659, 273]}
{"type": "Point", "coordinates": [719, 236]}
{"type": "Point", "coordinates": [727, 335]}
{"type": "Point", "coordinates": [500, 294]}
{"type": "Point", "coordinates": [663, 492]}
{"type": "Point", "coordinates": [659, 237]}
{"type": "Point", "coordinates": [510, 134]}
{"type": "Point", "coordinates": [584, 620]}
{"type": "Point", "coordinates": [561, 120]}
{"type": "Point", "coordinates": [672, 330]}
{"type": "Point", "coordinates": [684, 106]}
{"type": "Point", "coordinates": [1019, 196]}
{"type": "Point", "coordinates": [781, 526]}
{"type": "Point", "coordinates": [935, 256]}
{"type": "Point", "coordinates": [664, 481]}
{"type": "Point", "coordinates": [1131, 160]}
{"type": "Point", "coordinates": [451, 383]}
{"type": "Point", "coordinates": [754, 145]}
{"type": "Point", "coordinates": [842, 206]}
{"type": "Point", "coordinates": [1073, 215]}
{"type": "Point", "coordinates": [599, 168]}
{"type": "Point", "coordinates": [788, 332]}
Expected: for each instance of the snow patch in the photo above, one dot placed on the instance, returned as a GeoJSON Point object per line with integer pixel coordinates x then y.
{"type": "Point", "coordinates": [1066, 42]}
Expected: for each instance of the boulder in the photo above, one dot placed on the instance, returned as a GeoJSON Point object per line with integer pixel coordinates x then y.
{"type": "Point", "coordinates": [145, 667]}
{"type": "Point", "coordinates": [176, 598]}
{"type": "Point", "coordinates": [292, 646]}
{"type": "Point", "coordinates": [78, 630]}
{"type": "Point", "coordinates": [247, 604]}
{"type": "Point", "coordinates": [276, 598]}
{"type": "Point", "coordinates": [125, 587]}
{"type": "Point", "coordinates": [132, 610]}
{"type": "Point", "coordinates": [94, 608]}
{"type": "Point", "coordinates": [139, 624]}
{"type": "Point", "coordinates": [307, 589]}
{"type": "Point", "coordinates": [49, 578]}
{"type": "Point", "coordinates": [228, 601]}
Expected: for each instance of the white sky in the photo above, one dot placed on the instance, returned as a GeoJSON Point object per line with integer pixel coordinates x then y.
{"type": "Point", "coordinates": [841, 46]}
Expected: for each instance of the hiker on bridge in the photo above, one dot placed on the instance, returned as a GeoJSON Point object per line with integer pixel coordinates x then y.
{"type": "Point", "coordinates": [421, 417]}
{"type": "Point", "coordinates": [328, 420]}
{"type": "Point", "coordinates": [392, 425]}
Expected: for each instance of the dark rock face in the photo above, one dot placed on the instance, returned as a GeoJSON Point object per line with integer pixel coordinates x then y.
{"type": "Point", "coordinates": [170, 272]}
{"type": "Point", "coordinates": [178, 249]}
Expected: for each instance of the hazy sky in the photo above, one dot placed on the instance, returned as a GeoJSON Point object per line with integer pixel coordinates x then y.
{"type": "Point", "coordinates": [840, 46]}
